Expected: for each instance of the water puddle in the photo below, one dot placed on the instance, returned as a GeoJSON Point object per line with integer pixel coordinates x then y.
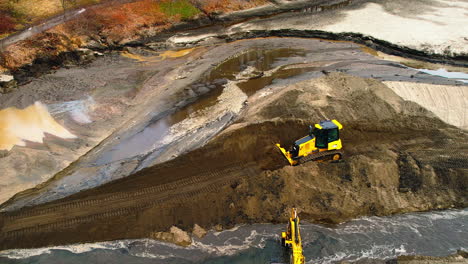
{"type": "Point", "coordinates": [258, 59]}
{"type": "Point", "coordinates": [251, 86]}
{"type": "Point", "coordinates": [262, 60]}
{"type": "Point", "coordinates": [155, 138]}
{"type": "Point", "coordinates": [143, 141]}
{"type": "Point", "coordinates": [459, 76]}
{"type": "Point", "coordinates": [17, 126]}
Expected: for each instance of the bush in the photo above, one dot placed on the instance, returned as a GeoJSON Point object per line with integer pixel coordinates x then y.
{"type": "Point", "coordinates": [89, 23]}
{"type": "Point", "coordinates": [7, 24]}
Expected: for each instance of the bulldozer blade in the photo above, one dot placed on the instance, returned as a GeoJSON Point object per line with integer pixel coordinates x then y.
{"type": "Point", "coordinates": [286, 155]}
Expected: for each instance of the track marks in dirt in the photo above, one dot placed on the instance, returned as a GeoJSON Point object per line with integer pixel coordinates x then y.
{"type": "Point", "coordinates": [65, 215]}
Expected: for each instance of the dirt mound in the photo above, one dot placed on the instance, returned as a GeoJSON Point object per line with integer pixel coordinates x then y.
{"type": "Point", "coordinates": [399, 157]}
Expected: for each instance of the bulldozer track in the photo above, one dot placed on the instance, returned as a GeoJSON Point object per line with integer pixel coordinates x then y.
{"type": "Point", "coordinates": [67, 214]}
{"type": "Point", "coordinates": [320, 155]}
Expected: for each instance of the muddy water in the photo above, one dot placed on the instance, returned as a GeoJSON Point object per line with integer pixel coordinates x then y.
{"type": "Point", "coordinates": [18, 126]}
{"type": "Point", "coordinates": [250, 87]}
{"type": "Point", "coordinates": [148, 140]}
{"type": "Point", "coordinates": [432, 234]}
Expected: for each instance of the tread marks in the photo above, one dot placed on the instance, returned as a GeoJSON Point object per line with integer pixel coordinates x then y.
{"type": "Point", "coordinates": [163, 193]}
{"type": "Point", "coordinates": [153, 189]}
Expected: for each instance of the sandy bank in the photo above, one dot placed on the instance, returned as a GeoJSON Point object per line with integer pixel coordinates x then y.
{"type": "Point", "coordinates": [449, 103]}
{"type": "Point", "coordinates": [432, 26]}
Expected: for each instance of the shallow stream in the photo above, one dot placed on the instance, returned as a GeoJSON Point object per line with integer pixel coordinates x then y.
{"type": "Point", "coordinates": [437, 233]}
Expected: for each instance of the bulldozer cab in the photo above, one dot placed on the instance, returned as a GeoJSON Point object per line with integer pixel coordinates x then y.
{"type": "Point", "coordinates": [325, 132]}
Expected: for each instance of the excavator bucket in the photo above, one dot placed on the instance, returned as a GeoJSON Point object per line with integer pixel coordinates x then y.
{"type": "Point", "coordinates": [287, 155]}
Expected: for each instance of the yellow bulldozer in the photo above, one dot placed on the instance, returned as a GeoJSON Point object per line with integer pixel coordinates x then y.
{"type": "Point", "coordinates": [322, 143]}
{"type": "Point", "coordinates": [292, 239]}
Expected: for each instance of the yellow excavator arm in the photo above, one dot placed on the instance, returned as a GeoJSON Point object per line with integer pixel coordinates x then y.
{"type": "Point", "coordinates": [292, 239]}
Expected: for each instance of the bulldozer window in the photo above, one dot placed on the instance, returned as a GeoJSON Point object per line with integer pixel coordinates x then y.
{"type": "Point", "coordinates": [333, 135]}
{"type": "Point", "coordinates": [321, 138]}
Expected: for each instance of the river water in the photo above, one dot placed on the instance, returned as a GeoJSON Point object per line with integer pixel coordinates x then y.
{"type": "Point", "coordinates": [437, 233]}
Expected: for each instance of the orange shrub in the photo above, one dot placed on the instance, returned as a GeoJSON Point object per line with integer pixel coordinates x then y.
{"type": "Point", "coordinates": [88, 23]}
{"type": "Point", "coordinates": [7, 24]}
{"type": "Point", "coordinates": [118, 21]}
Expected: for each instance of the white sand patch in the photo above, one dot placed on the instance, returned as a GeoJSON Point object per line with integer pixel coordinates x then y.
{"type": "Point", "coordinates": [30, 124]}
{"type": "Point", "coordinates": [439, 28]}
{"type": "Point", "coordinates": [449, 103]}
{"type": "Point", "coordinates": [184, 38]}
{"type": "Point", "coordinates": [6, 78]}
{"type": "Point", "coordinates": [435, 26]}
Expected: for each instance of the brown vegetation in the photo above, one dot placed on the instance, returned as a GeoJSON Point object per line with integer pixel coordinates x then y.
{"type": "Point", "coordinates": [118, 22]}
{"type": "Point", "coordinates": [47, 44]}
{"type": "Point", "coordinates": [7, 24]}
{"type": "Point", "coordinates": [24, 13]}
{"type": "Point", "coordinates": [212, 6]}
{"type": "Point", "coordinates": [111, 23]}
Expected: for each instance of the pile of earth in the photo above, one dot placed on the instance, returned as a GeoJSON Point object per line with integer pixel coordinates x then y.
{"type": "Point", "coordinates": [398, 156]}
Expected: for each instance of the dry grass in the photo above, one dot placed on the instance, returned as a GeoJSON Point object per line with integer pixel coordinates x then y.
{"type": "Point", "coordinates": [45, 44]}
{"type": "Point", "coordinates": [23, 13]}
{"type": "Point", "coordinates": [210, 6]}
{"type": "Point", "coordinates": [37, 9]}
{"type": "Point", "coordinates": [120, 21]}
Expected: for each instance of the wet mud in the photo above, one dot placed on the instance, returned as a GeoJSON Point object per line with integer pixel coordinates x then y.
{"type": "Point", "coordinates": [210, 88]}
